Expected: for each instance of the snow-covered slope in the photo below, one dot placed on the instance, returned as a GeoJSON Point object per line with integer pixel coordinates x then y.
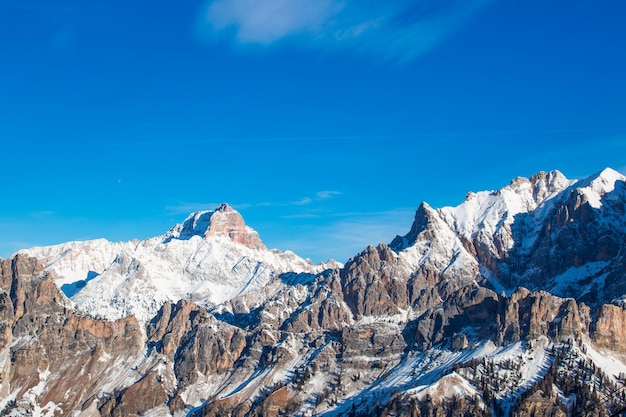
{"type": "Point", "coordinates": [512, 234]}
{"type": "Point", "coordinates": [212, 257]}
{"type": "Point", "coordinates": [488, 215]}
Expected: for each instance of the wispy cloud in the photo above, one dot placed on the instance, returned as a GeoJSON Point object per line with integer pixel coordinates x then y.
{"type": "Point", "coordinates": [43, 214]}
{"type": "Point", "coordinates": [186, 207]}
{"type": "Point", "coordinates": [305, 201]}
{"type": "Point", "coordinates": [325, 195]}
{"type": "Point", "coordinates": [265, 22]}
{"type": "Point", "coordinates": [301, 216]}
{"type": "Point", "coordinates": [349, 235]}
{"type": "Point", "coordinates": [399, 30]}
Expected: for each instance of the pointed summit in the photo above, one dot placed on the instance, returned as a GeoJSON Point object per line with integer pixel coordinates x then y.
{"type": "Point", "coordinates": [595, 187]}
{"type": "Point", "coordinates": [603, 181]}
{"type": "Point", "coordinates": [223, 221]}
{"type": "Point", "coordinates": [424, 217]}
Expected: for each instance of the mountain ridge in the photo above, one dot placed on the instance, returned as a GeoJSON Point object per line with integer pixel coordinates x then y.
{"type": "Point", "coordinates": [458, 315]}
{"type": "Point", "coordinates": [209, 258]}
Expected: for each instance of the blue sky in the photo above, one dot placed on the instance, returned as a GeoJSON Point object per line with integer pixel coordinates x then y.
{"type": "Point", "coordinates": [324, 122]}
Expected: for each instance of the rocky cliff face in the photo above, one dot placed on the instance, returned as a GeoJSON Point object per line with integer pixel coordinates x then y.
{"type": "Point", "coordinates": [574, 249]}
{"type": "Point", "coordinates": [610, 328]}
{"type": "Point", "coordinates": [436, 321]}
{"type": "Point", "coordinates": [54, 358]}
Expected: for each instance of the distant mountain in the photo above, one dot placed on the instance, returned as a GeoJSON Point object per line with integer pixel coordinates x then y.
{"type": "Point", "coordinates": [512, 303]}
{"type": "Point", "coordinates": [211, 257]}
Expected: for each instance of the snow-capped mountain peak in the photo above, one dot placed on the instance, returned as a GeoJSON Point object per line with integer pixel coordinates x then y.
{"type": "Point", "coordinates": [223, 221]}
{"type": "Point", "coordinates": [599, 184]}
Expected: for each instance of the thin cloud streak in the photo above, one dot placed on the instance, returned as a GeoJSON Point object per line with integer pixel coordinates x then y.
{"type": "Point", "coordinates": [324, 195]}
{"type": "Point", "coordinates": [400, 30]}
{"type": "Point", "coordinates": [343, 239]}
{"type": "Point", "coordinates": [43, 214]}
{"type": "Point", "coordinates": [187, 207]}
{"type": "Point", "coordinates": [319, 196]}
{"type": "Point", "coordinates": [301, 216]}
{"type": "Point", "coordinates": [305, 201]}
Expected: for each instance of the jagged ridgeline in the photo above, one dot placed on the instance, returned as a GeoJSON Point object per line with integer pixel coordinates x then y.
{"type": "Point", "coordinates": [512, 303]}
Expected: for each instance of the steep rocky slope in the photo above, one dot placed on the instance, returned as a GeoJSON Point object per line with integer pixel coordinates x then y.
{"type": "Point", "coordinates": [510, 304]}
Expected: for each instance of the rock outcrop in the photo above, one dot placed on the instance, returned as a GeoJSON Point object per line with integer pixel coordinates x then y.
{"type": "Point", "coordinates": [374, 282]}
{"type": "Point", "coordinates": [526, 315]}
{"type": "Point", "coordinates": [539, 404]}
{"type": "Point", "coordinates": [610, 328]}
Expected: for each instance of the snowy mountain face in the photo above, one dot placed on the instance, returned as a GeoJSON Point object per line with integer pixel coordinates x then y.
{"type": "Point", "coordinates": [210, 258]}
{"type": "Point", "coordinates": [546, 232]}
{"type": "Point", "coordinates": [511, 303]}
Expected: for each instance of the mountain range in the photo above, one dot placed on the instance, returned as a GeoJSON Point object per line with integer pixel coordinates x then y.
{"type": "Point", "coordinates": [511, 303]}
